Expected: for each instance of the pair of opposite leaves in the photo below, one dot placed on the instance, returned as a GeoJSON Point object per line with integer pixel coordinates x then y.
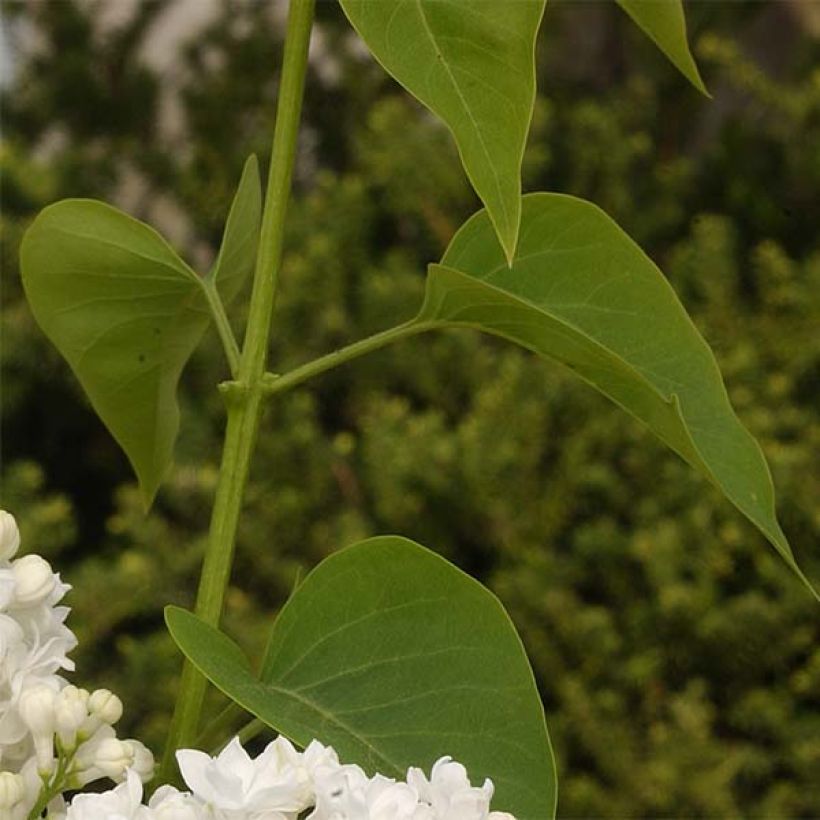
{"type": "Point", "coordinates": [565, 282]}
{"type": "Point", "coordinates": [127, 312]}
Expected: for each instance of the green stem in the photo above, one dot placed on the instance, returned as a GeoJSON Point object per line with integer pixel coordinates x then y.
{"type": "Point", "coordinates": [278, 384]}
{"type": "Point", "coordinates": [248, 731]}
{"type": "Point", "coordinates": [218, 728]}
{"type": "Point", "coordinates": [245, 403]}
{"type": "Point", "coordinates": [223, 327]}
{"type": "Point", "coordinates": [251, 729]}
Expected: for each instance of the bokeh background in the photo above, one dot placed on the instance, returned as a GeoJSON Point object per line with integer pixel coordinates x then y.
{"type": "Point", "coordinates": [677, 657]}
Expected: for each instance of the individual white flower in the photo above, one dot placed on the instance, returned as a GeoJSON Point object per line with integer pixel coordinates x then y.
{"type": "Point", "coordinates": [318, 758]}
{"type": "Point", "coordinates": [9, 536]}
{"type": "Point", "coordinates": [34, 580]}
{"type": "Point", "coordinates": [8, 583]}
{"type": "Point", "coordinates": [274, 785]}
{"type": "Point", "coordinates": [12, 791]}
{"type": "Point", "coordinates": [142, 759]}
{"type": "Point", "coordinates": [113, 756]}
{"type": "Point", "coordinates": [449, 792]}
{"type": "Point", "coordinates": [167, 803]}
{"type": "Point", "coordinates": [341, 794]}
{"type": "Point", "coordinates": [121, 803]}
{"type": "Point", "coordinates": [388, 800]}
{"type": "Point", "coordinates": [70, 713]}
{"type": "Point", "coordinates": [102, 753]}
{"type": "Point", "coordinates": [104, 707]}
{"type": "Point", "coordinates": [36, 709]}
{"type": "Point", "coordinates": [346, 793]}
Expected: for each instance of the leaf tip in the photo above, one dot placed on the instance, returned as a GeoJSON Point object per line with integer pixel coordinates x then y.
{"type": "Point", "coordinates": [149, 480]}
{"type": "Point", "coordinates": [251, 166]}
{"type": "Point", "coordinates": [147, 495]}
{"type": "Point", "coordinates": [793, 565]}
{"type": "Point", "coordinates": [172, 612]}
{"type": "Point", "coordinates": [697, 81]}
{"type": "Point", "coordinates": [509, 255]}
{"type": "Point", "coordinates": [507, 234]}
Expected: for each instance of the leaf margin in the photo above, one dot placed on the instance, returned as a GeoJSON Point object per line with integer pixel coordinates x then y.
{"type": "Point", "coordinates": [426, 317]}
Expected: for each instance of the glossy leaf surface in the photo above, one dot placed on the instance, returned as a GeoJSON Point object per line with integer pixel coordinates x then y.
{"type": "Point", "coordinates": [395, 657]}
{"type": "Point", "coordinates": [665, 23]}
{"type": "Point", "coordinates": [582, 292]}
{"type": "Point", "coordinates": [126, 312]}
{"type": "Point", "coordinates": [472, 64]}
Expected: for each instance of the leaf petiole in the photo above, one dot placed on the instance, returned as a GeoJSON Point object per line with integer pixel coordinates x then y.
{"type": "Point", "coordinates": [223, 326]}
{"type": "Point", "coordinates": [274, 383]}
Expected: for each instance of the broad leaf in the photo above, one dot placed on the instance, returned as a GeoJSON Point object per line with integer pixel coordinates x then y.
{"type": "Point", "coordinates": [127, 312]}
{"type": "Point", "coordinates": [395, 657]}
{"type": "Point", "coordinates": [472, 63]}
{"type": "Point", "coordinates": [582, 292]}
{"type": "Point", "coordinates": [664, 22]}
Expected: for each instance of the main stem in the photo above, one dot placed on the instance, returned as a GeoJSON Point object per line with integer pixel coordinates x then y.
{"type": "Point", "coordinates": [245, 400]}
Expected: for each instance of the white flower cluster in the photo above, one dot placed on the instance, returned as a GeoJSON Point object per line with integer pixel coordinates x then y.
{"type": "Point", "coordinates": [284, 784]}
{"type": "Point", "coordinates": [53, 736]}
{"type": "Point", "coordinates": [56, 738]}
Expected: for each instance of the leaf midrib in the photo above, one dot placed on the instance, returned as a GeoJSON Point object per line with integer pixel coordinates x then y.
{"type": "Point", "coordinates": [444, 64]}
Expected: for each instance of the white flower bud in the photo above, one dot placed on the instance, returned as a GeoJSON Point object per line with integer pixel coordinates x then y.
{"type": "Point", "coordinates": [112, 757]}
{"type": "Point", "coordinates": [70, 713]}
{"type": "Point", "coordinates": [36, 709]}
{"type": "Point", "coordinates": [12, 788]}
{"type": "Point", "coordinates": [105, 706]}
{"type": "Point", "coordinates": [34, 580]}
{"type": "Point", "coordinates": [9, 536]}
{"type": "Point", "coordinates": [143, 763]}
{"type": "Point", "coordinates": [82, 767]}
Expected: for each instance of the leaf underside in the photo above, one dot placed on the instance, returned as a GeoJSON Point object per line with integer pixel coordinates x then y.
{"type": "Point", "coordinates": [473, 65]}
{"type": "Point", "coordinates": [396, 658]}
{"type": "Point", "coordinates": [126, 312]}
{"type": "Point", "coordinates": [580, 291]}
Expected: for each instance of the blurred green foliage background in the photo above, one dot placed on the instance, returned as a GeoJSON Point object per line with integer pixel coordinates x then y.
{"type": "Point", "coordinates": [678, 658]}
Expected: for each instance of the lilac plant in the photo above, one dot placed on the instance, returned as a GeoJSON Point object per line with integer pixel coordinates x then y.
{"type": "Point", "coordinates": [56, 739]}
{"type": "Point", "coordinates": [386, 658]}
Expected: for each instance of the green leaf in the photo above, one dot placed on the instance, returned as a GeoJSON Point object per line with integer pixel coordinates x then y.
{"type": "Point", "coordinates": [582, 292]}
{"type": "Point", "coordinates": [126, 312]}
{"type": "Point", "coordinates": [395, 657]}
{"type": "Point", "coordinates": [665, 24]}
{"type": "Point", "coordinates": [471, 62]}
{"type": "Point", "coordinates": [237, 256]}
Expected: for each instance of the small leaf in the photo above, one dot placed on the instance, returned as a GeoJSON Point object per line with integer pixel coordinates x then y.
{"type": "Point", "coordinates": [237, 256]}
{"type": "Point", "coordinates": [582, 292]}
{"type": "Point", "coordinates": [395, 657]}
{"type": "Point", "coordinates": [472, 63]}
{"type": "Point", "coordinates": [126, 312]}
{"type": "Point", "coordinates": [664, 22]}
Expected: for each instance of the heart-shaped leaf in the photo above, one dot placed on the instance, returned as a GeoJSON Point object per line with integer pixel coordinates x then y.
{"type": "Point", "coordinates": [472, 64]}
{"type": "Point", "coordinates": [126, 312]}
{"type": "Point", "coordinates": [395, 657]}
{"type": "Point", "coordinates": [665, 23]}
{"type": "Point", "coordinates": [582, 292]}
